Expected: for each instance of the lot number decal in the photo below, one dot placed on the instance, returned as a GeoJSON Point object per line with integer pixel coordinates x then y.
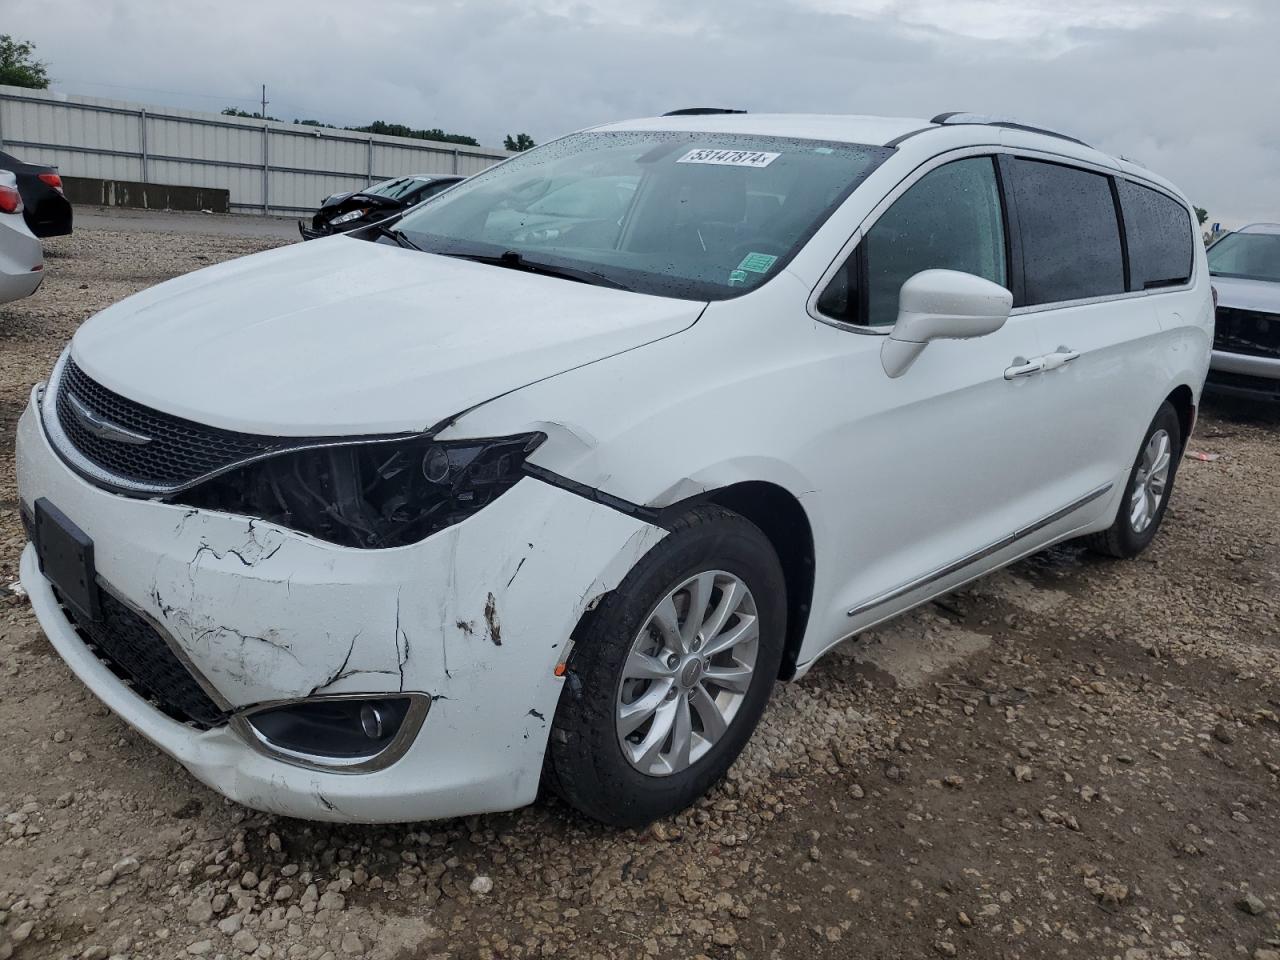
{"type": "Point", "coordinates": [730, 158]}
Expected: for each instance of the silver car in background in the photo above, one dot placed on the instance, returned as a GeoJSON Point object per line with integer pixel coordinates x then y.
{"type": "Point", "coordinates": [21, 260]}
{"type": "Point", "coordinates": [1245, 266]}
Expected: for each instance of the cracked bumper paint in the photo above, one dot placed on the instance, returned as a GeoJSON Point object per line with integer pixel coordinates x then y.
{"type": "Point", "coordinates": [476, 617]}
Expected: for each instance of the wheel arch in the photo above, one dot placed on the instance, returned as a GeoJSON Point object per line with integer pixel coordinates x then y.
{"type": "Point", "coordinates": [1184, 405]}
{"type": "Point", "coordinates": [783, 520]}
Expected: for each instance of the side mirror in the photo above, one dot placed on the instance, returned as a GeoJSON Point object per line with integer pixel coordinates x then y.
{"type": "Point", "coordinates": [942, 305]}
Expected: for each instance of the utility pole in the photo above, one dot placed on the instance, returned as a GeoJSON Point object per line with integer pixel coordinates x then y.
{"type": "Point", "coordinates": [265, 101]}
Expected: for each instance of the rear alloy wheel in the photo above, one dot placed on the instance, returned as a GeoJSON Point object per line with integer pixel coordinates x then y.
{"type": "Point", "coordinates": [1146, 496]}
{"type": "Point", "coordinates": [671, 672]}
{"type": "Point", "coordinates": [1151, 481]}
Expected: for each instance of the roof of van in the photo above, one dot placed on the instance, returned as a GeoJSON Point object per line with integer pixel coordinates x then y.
{"type": "Point", "coordinates": [1260, 228]}
{"type": "Point", "coordinates": [882, 131]}
{"type": "Point", "coordinates": [876, 131]}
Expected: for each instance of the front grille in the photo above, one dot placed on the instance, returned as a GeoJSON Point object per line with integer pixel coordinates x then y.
{"type": "Point", "coordinates": [136, 653]}
{"type": "Point", "coordinates": [179, 452]}
{"type": "Point", "coordinates": [1249, 332]}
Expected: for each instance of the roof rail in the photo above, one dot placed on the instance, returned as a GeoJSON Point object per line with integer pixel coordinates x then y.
{"type": "Point", "coordinates": [700, 111]}
{"type": "Point", "coordinates": [959, 117]}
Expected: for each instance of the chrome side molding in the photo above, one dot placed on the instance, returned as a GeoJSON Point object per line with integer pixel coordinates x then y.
{"type": "Point", "coordinates": [957, 565]}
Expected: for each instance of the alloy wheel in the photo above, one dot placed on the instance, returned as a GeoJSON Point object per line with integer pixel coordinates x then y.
{"type": "Point", "coordinates": [687, 673]}
{"type": "Point", "coordinates": [1151, 481]}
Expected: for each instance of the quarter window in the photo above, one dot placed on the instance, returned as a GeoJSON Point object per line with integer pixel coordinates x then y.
{"type": "Point", "coordinates": [1069, 231]}
{"type": "Point", "coordinates": [1158, 231]}
{"type": "Point", "coordinates": [950, 219]}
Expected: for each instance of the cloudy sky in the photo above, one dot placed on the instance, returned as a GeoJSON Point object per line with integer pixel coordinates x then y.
{"type": "Point", "coordinates": [1187, 87]}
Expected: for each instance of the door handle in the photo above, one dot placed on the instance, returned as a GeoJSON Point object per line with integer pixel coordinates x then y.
{"type": "Point", "coordinates": [1022, 367]}
{"type": "Point", "coordinates": [1052, 361]}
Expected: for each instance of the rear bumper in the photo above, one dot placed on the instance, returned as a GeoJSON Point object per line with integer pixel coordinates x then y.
{"type": "Point", "coordinates": [50, 215]}
{"type": "Point", "coordinates": [20, 256]}
{"type": "Point", "coordinates": [16, 286]}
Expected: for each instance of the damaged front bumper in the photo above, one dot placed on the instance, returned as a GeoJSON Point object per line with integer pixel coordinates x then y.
{"type": "Point", "coordinates": [466, 627]}
{"type": "Point", "coordinates": [308, 231]}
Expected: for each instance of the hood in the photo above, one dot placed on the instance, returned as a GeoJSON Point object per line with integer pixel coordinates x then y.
{"type": "Point", "coordinates": [341, 336]}
{"type": "Point", "coordinates": [334, 198]}
{"type": "Point", "coordinates": [350, 201]}
{"type": "Point", "coordinates": [1260, 295]}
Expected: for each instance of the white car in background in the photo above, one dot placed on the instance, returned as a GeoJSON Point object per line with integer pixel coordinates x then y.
{"type": "Point", "coordinates": [1245, 266]}
{"type": "Point", "coordinates": [21, 260]}
{"type": "Point", "coordinates": [523, 493]}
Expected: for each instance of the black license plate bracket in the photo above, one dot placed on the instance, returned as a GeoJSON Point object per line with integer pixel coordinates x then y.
{"type": "Point", "coordinates": [65, 553]}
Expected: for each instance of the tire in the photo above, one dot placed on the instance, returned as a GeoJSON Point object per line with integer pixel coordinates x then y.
{"type": "Point", "coordinates": [1125, 538]}
{"type": "Point", "coordinates": [586, 763]}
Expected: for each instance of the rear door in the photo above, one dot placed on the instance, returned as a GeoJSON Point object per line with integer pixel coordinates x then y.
{"type": "Point", "coordinates": [1100, 336]}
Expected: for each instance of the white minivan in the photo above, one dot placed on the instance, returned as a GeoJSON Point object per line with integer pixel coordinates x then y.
{"type": "Point", "coordinates": [549, 482]}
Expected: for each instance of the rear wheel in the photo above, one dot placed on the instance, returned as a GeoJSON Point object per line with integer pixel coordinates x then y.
{"type": "Point", "coordinates": [1146, 496]}
{"type": "Point", "coordinates": [671, 672]}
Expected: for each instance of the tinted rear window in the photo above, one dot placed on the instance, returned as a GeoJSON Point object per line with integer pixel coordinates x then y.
{"type": "Point", "coordinates": [1070, 234]}
{"type": "Point", "coordinates": [1158, 231]}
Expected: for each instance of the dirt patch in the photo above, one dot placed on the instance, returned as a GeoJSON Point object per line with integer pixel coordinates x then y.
{"type": "Point", "coordinates": [913, 649]}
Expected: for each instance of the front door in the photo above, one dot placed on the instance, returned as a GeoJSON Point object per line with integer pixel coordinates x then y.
{"type": "Point", "coordinates": [934, 467]}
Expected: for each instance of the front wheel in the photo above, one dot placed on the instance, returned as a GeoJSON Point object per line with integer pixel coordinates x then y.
{"type": "Point", "coordinates": [671, 672]}
{"type": "Point", "coordinates": [1146, 496]}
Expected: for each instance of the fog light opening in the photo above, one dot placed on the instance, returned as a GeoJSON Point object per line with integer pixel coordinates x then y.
{"type": "Point", "coordinates": [340, 731]}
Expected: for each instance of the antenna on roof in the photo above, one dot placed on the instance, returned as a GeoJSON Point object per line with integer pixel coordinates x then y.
{"type": "Point", "coordinates": [700, 111]}
{"type": "Point", "coordinates": [977, 119]}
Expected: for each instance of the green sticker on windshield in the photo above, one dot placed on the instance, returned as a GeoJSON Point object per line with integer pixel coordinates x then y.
{"type": "Point", "coordinates": [737, 278]}
{"type": "Point", "coordinates": [757, 262]}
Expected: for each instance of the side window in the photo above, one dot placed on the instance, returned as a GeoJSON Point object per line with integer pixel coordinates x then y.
{"type": "Point", "coordinates": [950, 219]}
{"type": "Point", "coordinates": [435, 188]}
{"type": "Point", "coordinates": [1070, 234]}
{"type": "Point", "coordinates": [1157, 230]}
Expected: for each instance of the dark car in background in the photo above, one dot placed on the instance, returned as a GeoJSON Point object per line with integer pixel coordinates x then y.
{"type": "Point", "coordinates": [1245, 266]}
{"type": "Point", "coordinates": [343, 212]}
{"type": "Point", "coordinates": [46, 208]}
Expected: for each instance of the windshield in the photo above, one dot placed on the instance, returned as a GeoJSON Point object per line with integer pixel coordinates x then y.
{"type": "Point", "coordinates": [1249, 256]}
{"type": "Point", "coordinates": [697, 216]}
{"type": "Point", "coordinates": [395, 189]}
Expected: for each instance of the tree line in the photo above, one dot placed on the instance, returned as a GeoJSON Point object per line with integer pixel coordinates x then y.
{"type": "Point", "coordinates": [20, 68]}
{"type": "Point", "coordinates": [519, 142]}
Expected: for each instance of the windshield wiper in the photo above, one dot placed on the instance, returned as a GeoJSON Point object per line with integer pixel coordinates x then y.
{"type": "Point", "coordinates": [395, 236]}
{"type": "Point", "coordinates": [514, 260]}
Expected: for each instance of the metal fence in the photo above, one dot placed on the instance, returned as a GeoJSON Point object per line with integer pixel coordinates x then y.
{"type": "Point", "coordinates": [268, 167]}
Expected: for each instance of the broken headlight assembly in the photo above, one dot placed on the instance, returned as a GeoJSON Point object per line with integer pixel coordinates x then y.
{"type": "Point", "coordinates": [372, 495]}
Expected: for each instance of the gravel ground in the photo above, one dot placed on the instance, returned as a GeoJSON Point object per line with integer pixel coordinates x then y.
{"type": "Point", "coordinates": [1072, 758]}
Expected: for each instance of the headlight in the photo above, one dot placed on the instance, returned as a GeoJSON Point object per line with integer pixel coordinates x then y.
{"type": "Point", "coordinates": [371, 495]}
{"type": "Point", "coordinates": [348, 216]}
